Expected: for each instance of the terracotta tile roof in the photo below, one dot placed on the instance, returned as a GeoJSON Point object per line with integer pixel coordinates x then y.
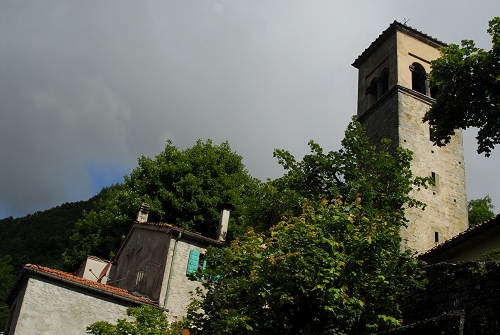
{"type": "Point", "coordinates": [85, 283]}
{"type": "Point", "coordinates": [184, 231]}
{"type": "Point", "coordinates": [394, 27]}
{"type": "Point", "coordinates": [494, 221]}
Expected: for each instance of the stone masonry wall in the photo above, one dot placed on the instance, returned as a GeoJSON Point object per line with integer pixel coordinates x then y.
{"type": "Point", "coordinates": [446, 211]}
{"type": "Point", "coordinates": [468, 288]}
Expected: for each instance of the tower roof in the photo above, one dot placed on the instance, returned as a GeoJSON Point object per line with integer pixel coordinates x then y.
{"type": "Point", "coordinates": [397, 26]}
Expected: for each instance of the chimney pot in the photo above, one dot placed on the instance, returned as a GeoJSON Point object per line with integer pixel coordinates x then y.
{"type": "Point", "coordinates": [142, 216]}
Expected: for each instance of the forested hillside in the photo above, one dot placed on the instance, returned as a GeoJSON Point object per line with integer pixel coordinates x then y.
{"type": "Point", "coordinates": [41, 238]}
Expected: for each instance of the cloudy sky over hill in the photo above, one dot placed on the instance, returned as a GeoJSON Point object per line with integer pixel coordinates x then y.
{"type": "Point", "coordinates": [88, 86]}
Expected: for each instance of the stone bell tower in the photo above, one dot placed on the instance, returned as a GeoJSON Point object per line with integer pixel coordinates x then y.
{"type": "Point", "coordinates": [393, 96]}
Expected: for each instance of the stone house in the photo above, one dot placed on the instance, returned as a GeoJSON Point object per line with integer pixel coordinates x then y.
{"type": "Point", "coordinates": [152, 267]}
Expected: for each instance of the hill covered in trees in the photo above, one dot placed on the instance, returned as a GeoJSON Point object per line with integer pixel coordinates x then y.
{"type": "Point", "coordinates": [41, 237]}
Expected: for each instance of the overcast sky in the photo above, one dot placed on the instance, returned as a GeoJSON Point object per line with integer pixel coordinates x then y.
{"type": "Point", "coordinates": [86, 87]}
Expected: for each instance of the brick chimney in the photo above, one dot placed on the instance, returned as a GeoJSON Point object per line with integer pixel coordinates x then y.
{"type": "Point", "coordinates": [142, 216]}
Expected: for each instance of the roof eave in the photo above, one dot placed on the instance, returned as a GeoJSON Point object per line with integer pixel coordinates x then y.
{"type": "Point", "coordinates": [393, 27]}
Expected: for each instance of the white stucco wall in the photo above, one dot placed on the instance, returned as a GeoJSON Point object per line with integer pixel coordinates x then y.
{"type": "Point", "coordinates": [93, 268]}
{"type": "Point", "coordinates": [181, 289]}
{"type": "Point", "coordinates": [51, 309]}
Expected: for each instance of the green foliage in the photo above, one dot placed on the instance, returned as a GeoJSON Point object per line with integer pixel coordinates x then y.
{"type": "Point", "coordinates": [6, 282]}
{"type": "Point", "coordinates": [467, 82]}
{"type": "Point", "coordinates": [381, 175]}
{"type": "Point", "coordinates": [335, 269]}
{"type": "Point", "coordinates": [183, 188]}
{"type": "Point", "coordinates": [148, 321]}
{"type": "Point", "coordinates": [492, 255]}
{"type": "Point", "coordinates": [41, 238]}
{"type": "Point", "coordinates": [480, 210]}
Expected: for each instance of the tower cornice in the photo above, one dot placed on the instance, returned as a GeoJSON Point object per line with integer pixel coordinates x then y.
{"type": "Point", "coordinates": [397, 26]}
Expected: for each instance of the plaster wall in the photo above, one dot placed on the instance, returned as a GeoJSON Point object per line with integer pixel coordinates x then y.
{"type": "Point", "coordinates": [141, 262]}
{"type": "Point", "coordinates": [50, 309]}
{"type": "Point", "coordinates": [93, 268]}
{"type": "Point", "coordinates": [410, 50]}
{"type": "Point", "coordinates": [469, 249]}
{"type": "Point", "coordinates": [176, 295]}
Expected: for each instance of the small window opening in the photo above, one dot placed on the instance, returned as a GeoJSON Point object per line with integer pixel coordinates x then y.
{"type": "Point", "coordinates": [371, 92]}
{"type": "Point", "coordinates": [419, 81]}
{"type": "Point", "coordinates": [435, 179]}
{"type": "Point", "coordinates": [436, 237]}
{"type": "Point", "coordinates": [383, 82]}
{"type": "Point", "coordinates": [139, 277]}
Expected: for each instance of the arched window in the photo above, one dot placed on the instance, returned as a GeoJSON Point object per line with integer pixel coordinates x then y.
{"type": "Point", "coordinates": [383, 82]}
{"type": "Point", "coordinates": [418, 78]}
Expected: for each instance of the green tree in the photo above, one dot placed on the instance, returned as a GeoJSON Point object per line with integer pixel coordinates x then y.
{"type": "Point", "coordinates": [6, 282]}
{"type": "Point", "coordinates": [382, 175]}
{"type": "Point", "coordinates": [466, 80]}
{"type": "Point", "coordinates": [183, 188]}
{"type": "Point", "coordinates": [480, 210]}
{"type": "Point", "coordinates": [148, 321]}
{"type": "Point", "coordinates": [337, 268]}
{"type": "Point", "coordinates": [334, 270]}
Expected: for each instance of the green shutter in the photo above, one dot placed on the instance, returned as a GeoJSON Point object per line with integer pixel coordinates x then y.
{"type": "Point", "coordinates": [194, 257]}
{"type": "Point", "coordinates": [204, 265]}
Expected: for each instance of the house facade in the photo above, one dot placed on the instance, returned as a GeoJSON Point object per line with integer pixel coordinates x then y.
{"type": "Point", "coordinates": [153, 266]}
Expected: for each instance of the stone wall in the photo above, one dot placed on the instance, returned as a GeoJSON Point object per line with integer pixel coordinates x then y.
{"type": "Point", "coordinates": [446, 211]}
{"type": "Point", "coordinates": [466, 291]}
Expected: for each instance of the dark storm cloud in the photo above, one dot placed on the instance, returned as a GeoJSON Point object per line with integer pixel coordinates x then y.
{"type": "Point", "coordinates": [88, 86]}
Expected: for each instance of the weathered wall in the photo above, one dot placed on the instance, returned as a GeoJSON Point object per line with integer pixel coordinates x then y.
{"type": "Point", "coordinates": [446, 211]}
{"type": "Point", "coordinates": [177, 295]}
{"type": "Point", "coordinates": [410, 50]}
{"type": "Point", "coordinates": [52, 310]}
{"type": "Point", "coordinates": [141, 262]}
{"type": "Point", "coordinates": [398, 115]}
{"type": "Point", "coordinates": [468, 288]}
{"type": "Point", "coordinates": [382, 121]}
{"type": "Point", "coordinates": [92, 269]}
{"type": "Point", "coordinates": [382, 57]}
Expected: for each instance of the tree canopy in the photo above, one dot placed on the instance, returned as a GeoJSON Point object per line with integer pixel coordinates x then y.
{"type": "Point", "coordinates": [182, 187]}
{"type": "Point", "coordinates": [466, 80]}
{"type": "Point", "coordinates": [147, 321]}
{"type": "Point", "coordinates": [6, 282]}
{"type": "Point", "coordinates": [336, 268]}
{"type": "Point", "coordinates": [480, 210]}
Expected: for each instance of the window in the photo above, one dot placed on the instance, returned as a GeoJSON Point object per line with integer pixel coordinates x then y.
{"type": "Point", "coordinates": [436, 237]}
{"type": "Point", "coordinates": [139, 277]}
{"type": "Point", "coordinates": [196, 262]}
{"type": "Point", "coordinates": [418, 78]}
{"type": "Point", "coordinates": [383, 82]}
{"type": "Point", "coordinates": [435, 179]}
